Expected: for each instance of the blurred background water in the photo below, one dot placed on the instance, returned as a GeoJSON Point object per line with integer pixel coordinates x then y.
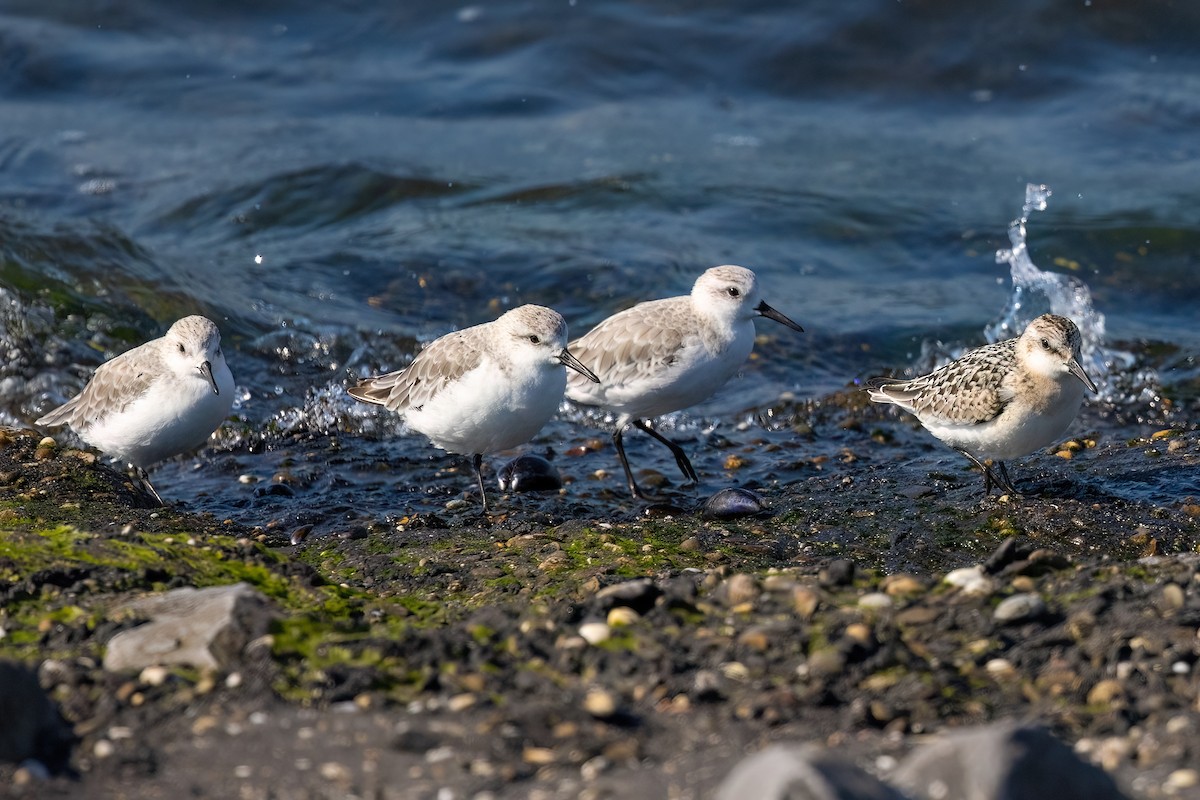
{"type": "Point", "coordinates": [336, 182]}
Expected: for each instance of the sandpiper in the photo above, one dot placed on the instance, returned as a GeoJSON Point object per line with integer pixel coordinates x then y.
{"type": "Point", "coordinates": [482, 389]}
{"type": "Point", "coordinates": [158, 400]}
{"type": "Point", "coordinates": [665, 355]}
{"type": "Point", "coordinates": [1000, 401]}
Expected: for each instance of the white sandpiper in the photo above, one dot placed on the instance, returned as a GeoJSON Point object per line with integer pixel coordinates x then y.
{"type": "Point", "coordinates": [665, 355]}
{"type": "Point", "coordinates": [158, 400]}
{"type": "Point", "coordinates": [1000, 401]}
{"type": "Point", "coordinates": [485, 388]}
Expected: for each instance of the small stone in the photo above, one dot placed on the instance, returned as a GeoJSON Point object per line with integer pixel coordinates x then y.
{"type": "Point", "coordinates": [739, 588]}
{"type": "Point", "coordinates": [300, 534]}
{"type": "Point", "coordinates": [875, 601]}
{"type": "Point", "coordinates": [858, 632]}
{"type": "Point", "coordinates": [690, 545]}
{"type": "Point", "coordinates": [1024, 583]}
{"type": "Point", "coordinates": [600, 704]}
{"type": "Point", "coordinates": [755, 638]}
{"type": "Point", "coordinates": [1186, 778]}
{"type": "Point", "coordinates": [805, 601]}
{"type": "Point", "coordinates": [1171, 598]}
{"type": "Point", "coordinates": [838, 572]}
{"type": "Point", "coordinates": [595, 632]}
{"type": "Point", "coordinates": [154, 676]}
{"type": "Point", "coordinates": [901, 584]}
{"type": "Point", "coordinates": [103, 748]}
{"type": "Point", "coordinates": [1000, 668]}
{"type": "Point", "coordinates": [970, 581]}
{"type": "Point", "coordinates": [461, 702]}
{"type": "Point", "coordinates": [622, 615]}
{"type": "Point", "coordinates": [539, 756]}
{"type": "Point", "coordinates": [1019, 608]}
{"type": "Point", "coordinates": [1105, 692]}
{"type": "Point", "coordinates": [826, 663]}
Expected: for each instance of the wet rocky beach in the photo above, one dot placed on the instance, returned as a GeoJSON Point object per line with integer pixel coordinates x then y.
{"type": "Point", "coordinates": [576, 644]}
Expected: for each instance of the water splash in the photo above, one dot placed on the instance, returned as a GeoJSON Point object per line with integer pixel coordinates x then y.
{"type": "Point", "coordinates": [1036, 292]}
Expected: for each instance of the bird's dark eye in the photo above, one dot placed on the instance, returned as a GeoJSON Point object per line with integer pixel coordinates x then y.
{"type": "Point", "coordinates": [182, 349]}
{"type": "Point", "coordinates": [734, 291]}
{"type": "Point", "coordinates": [1045, 344]}
{"type": "Point", "coordinates": [534, 338]}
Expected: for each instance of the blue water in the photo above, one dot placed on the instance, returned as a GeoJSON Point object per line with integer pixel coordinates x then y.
{"type": "Point", "coordinates": [335, 183]}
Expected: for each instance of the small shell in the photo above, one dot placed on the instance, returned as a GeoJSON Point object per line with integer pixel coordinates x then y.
{"type": "Point", "coordinates": [529, 473]}
{"type": "Point", "coordinates": [731, 503]}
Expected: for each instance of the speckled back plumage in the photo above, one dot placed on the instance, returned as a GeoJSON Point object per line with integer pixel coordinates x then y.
{"type": "Point", "coordinates": [967, 391]}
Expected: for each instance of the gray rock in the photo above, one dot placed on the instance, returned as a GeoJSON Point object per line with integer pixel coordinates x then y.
{"type": "Point", "coordinates": [1019, 608]}
{"type": "Point", "coordinates": [30, 725]}
{"type": "Point", "coordinates": [1004, 761]}
{"type": "Point", "coordinates": [202, 628]}
{"type": "Point", "coordinates": [801, 772]}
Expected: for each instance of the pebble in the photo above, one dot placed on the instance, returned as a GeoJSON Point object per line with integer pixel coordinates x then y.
{"type": "Point", "coordinates": [876, 601]}
{"type": "Point", "coordinates": [599, 703]}
{"type": "Point", "coordinates": [539, 756]}
{"type": "Point", "coordinates": [1000, 668]}
{"type": "Point", "coordinates": [103, 748]}
{"type": "Point", "coordinates": [595, 632]}
{"type": "Point", "coordinates": [901, 584]}
{"type": "Point", "coordinates": [154, 676]}
{"type": "Point", "coordinates": [1182, 779]}
{"type": "Point", "coordinates": [739, 588]}
{"type": "Point", "coordinates": [1105, 692]}
{"type": "Point", "coordinates": [838, 572]}
{"type": "Point", "coordinates": [1019, 607]}
{"type": "Point", "coordinates": [826, 663]}
{"type": "Point", "coordinates": [755, 638]}
{"type": "Point", "coordinates": [805, 601]}
{"type": "Point", "coordinates": [622, 615]}
{"type": "Point", "coordinates": [971, 581]}
{"type": "Point", "coordinates": [461, 702]}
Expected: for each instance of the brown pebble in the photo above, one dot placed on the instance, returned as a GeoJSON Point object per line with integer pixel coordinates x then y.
{"type": "Point", "coordinates": [600, 704]}
{"type": "Point", "coordinates": [805, 600]}
{"type": "Point", "coordinates": [1105, 692]}
{"type": "Point", "coordinates": [755, 638]}
{"type": "Point", "coordinates": [902, 584]}
{"type": "Point", "coordinates": [739, 588]}
{"type": "Point", "coordinates": [539, 756]}
{"type": "Point", "coordinates": [691, 544]}
{"type": "Point", "coordinates": [734, 462]}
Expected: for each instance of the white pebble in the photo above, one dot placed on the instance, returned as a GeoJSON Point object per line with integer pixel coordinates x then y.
{"type": "Point", "coordinates": [595, 632]}
{"type": "Point", "coordinates": [875, 601]}
{"type": "Point", "coordinates": [1019, 607]}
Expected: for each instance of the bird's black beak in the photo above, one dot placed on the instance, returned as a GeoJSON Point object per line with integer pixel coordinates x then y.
{"type": "Point", "coordinates": [567, 360]}
{"type": "Point", "coordinates": [1075, 369]}
{"type": "Point", "coordinates": [206, 371]}
{"type": "Point", "coordinates": [770, 313]}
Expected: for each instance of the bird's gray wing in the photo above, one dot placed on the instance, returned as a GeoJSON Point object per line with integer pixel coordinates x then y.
{"type": "Point", "coordinates": [442, 362]}
{"type": "Point", "coordinates": [115, 384]}
{"type": "Point", "coordinates": [646, 338]}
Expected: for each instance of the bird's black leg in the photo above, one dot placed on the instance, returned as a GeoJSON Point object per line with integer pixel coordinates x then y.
{"type": "Point", "coordinates": [144, 478]}
{"type": "Point", "coordinates": [988, 477]}
{"type": "Point", "coordinates": [1002, 479]}
{"type": "Point", "coordinates": [680, 457]}
{"type": "Point", "coordinates": [633, 487]}
{"type": "Point", "coordinates": [477, 463]}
